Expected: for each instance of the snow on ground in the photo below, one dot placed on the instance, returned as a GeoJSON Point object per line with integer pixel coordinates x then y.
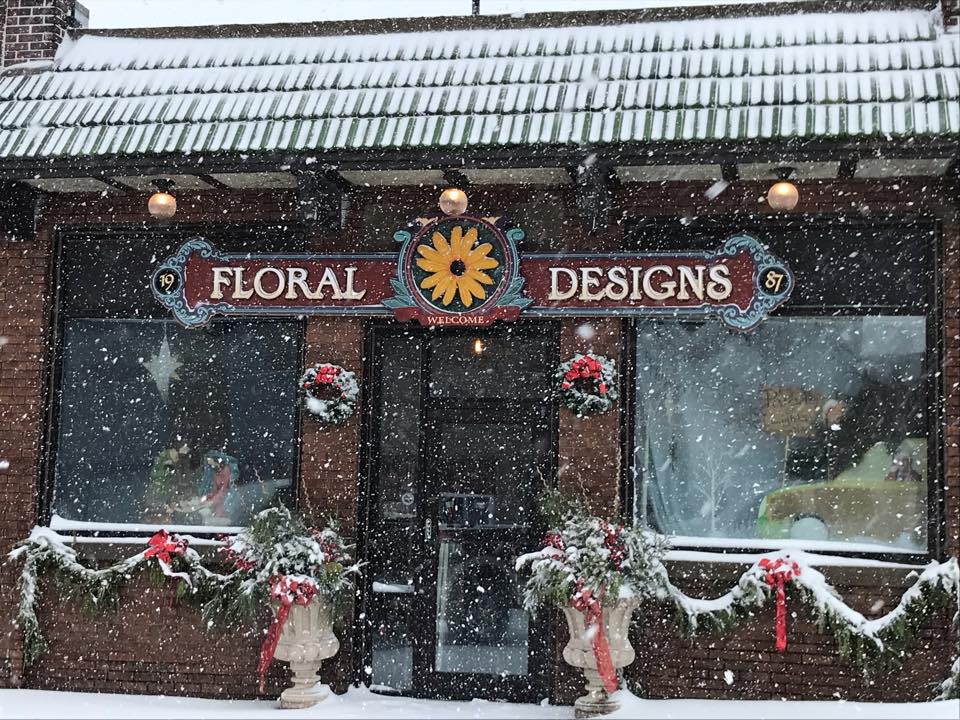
{"type": "Point", "coordinates": [361, 703]}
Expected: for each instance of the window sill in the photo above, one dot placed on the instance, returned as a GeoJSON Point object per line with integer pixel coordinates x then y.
{"type": "Point", "coordinates": [64, 526]}
{"type": "Point", "coordinates": [724, 569]}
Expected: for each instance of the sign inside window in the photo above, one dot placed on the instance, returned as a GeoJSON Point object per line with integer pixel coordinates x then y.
{"type": "Point", "coordinates": [467, 271]}
{"type": "Point", "coordinates": [790, 411]}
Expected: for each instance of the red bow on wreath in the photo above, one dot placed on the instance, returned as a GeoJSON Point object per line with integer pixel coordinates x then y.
{"type": "Point", "coordinates": [163, 546]}
{"type": "Point", "coordinates": [591, 607]}
{"type": "Point", "coordinates": [778, 573]}
{"type": "Point", "coordinates": [584, 368]}
{"type": "Point", "coordinates": [288, 592]}
{"type": "Point", "coordinates": [326, 374]}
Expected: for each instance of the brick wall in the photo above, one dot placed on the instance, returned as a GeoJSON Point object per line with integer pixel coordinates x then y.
{"type": "Point", "coordinates": [149, 647]}
{"type": "Point", "coordinates": [33, 29]}
{"type": "Point", "coordinates": [589, 452]}
{"type": "Point", "coordinates": [23, 333]}
{"type": "Point", "coordinates": [951, 14]}
{"type": "Point", "coordinates": [669, 666]}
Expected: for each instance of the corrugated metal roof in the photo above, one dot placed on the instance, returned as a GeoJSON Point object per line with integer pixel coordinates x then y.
{"type": "Point", "coordinates": [824, 75]}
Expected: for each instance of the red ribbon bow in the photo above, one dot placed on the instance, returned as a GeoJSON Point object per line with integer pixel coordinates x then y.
{"type": "Point", "coordinates": [584, 602]}
{"type": "Point", "coordinates": [326, 374]}
{"type": "Point", "coordinates": [288, 592]}
{"type": "Point", "coordinates": [584, 368]}
{"type": "Point", "coordinates": [163, 546]}
{"type": "Point", "coordinates": [778, 573]}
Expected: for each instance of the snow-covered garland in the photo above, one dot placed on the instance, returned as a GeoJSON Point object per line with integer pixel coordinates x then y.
{"type": "Point", "coordinates": [587, 559]}
{"type": "Point", "coordinates": [875, 644]}
{"type": "Point", "coordinates": [278, 558]}
{"type": "Point", "coordinates": [329, 392]}
{"type": "Point", "coordinates": [587, 384]}
{"type": "Point", "coordinates": [45, 553]}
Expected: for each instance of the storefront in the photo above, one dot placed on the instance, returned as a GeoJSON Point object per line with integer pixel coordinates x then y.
{"type": "Point", "coordinates": [786, 378]}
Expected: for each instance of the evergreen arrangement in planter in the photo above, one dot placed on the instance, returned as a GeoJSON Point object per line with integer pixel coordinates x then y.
{"type": "Point", "coordinates": [585, 556]}
{"type": "Point", "coordinates": [279, 545]}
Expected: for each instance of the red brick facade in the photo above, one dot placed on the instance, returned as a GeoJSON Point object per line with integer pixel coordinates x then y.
{"type": "Point", "coordinates": [147, 647]}
{"type": "Point", "coordinates": [951, 14]}
{"type": "Point", "coordinates": [33, 29]}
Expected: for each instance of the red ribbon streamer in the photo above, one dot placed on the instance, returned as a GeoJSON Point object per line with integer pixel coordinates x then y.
{"type": "Point", "coordinates": [592, 609]}
{"type": "Point", "coordinates": [164, 546]}
{"type": "Point", "coordinates": [287, 591]}
{"type": "Point", "coordinates": [779, 572]}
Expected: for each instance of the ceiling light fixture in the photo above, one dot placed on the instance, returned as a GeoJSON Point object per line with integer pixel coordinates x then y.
{"type": "Point", "coordinates": [162, 205]}
{"type": "Point", "coordinates": [783, 195]}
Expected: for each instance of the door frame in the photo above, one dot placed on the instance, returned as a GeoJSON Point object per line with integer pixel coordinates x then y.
{"type": "Point", "coordinates": [542, 641]}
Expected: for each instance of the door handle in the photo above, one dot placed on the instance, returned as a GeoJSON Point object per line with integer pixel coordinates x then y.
{"type": "Point", "coordinates": [428, 530]}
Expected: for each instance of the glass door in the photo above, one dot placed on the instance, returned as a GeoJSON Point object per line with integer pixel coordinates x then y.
{"type": "Point", "coordinates": [457, 472]}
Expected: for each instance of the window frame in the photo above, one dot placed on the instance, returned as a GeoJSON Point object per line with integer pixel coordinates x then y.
{"type": "Point", "coordinates": [723, 226]}
{"type": "Point", "coordinates": [52, 386]}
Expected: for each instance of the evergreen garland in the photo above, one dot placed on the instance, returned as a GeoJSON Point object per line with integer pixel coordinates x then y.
{"type": "Point", "coordinates": [279, 543]}
{"type": "Point", "coordinates": [46, 554]}
{"type": "Point", "coordinates": [875, 645]}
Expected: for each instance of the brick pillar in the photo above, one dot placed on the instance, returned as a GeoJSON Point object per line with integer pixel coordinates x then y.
{"type": "Point", "coordinates": [589, 462]}
{"type": "Point", "coordinates": [329, 463]}
{"type": "Point", "coordinates": [23, 328]}
{"type": "Point", "coordinates": [33, 29]}
{"type": "Point", "coordinates": [951, 15]}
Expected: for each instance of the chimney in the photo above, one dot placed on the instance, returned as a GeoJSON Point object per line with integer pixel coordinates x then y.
{"type": "Point", "coordinates": [34, 29]}
{"type": "Point", "coordinates": [951, 15]}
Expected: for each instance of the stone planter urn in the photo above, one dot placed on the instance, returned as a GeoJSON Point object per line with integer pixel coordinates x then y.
{"type": "Point", "coordinates": [579, 653]}
{"type": "Point", "coordinates": [307, 640]}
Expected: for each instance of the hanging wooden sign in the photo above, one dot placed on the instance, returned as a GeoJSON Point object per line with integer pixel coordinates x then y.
{"type": "Point", "coordinates": [466, 270]}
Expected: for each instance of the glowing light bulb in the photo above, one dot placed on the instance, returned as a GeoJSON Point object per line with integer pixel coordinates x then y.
{"type": "Point", "coordinates": [162, 205]}
{"type": "Point", "coordinates": [783, 195]}
{"type": "Point", "coordinates": [453, 201]}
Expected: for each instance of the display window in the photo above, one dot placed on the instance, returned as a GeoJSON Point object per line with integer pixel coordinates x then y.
{"type": "Point", "coordinates": [814, 430]}
{"type": "Point", "coordinates": [158, 424]}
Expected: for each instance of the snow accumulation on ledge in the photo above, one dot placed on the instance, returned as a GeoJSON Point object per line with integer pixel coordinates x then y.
{"type": "Point", "coordinates": [134, 533]}
{"type": "Point", "coordinates": [361, 703]}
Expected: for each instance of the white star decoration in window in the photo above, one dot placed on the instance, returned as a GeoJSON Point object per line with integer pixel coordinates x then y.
{"type": "Point", "coordinates": [163, 368]}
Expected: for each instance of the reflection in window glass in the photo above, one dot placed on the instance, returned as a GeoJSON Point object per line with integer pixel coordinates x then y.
{"type": "Point", "coordinates": [170, 426]}
{"type": "Point", "coordinates": [810, 429]}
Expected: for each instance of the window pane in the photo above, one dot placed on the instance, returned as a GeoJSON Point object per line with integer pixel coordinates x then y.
{"type": "Point", "coordinates": [810, 429]}
{"type": "Point", "coordinates": [459, 371]}
{"type": "Point", "coordinates": [164, 425]}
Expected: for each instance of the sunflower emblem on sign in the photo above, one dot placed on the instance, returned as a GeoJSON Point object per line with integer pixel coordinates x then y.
{"type": "Point", "coordinates": [456, 267]}
{"type": "Point", "coordinates": [458, 270]}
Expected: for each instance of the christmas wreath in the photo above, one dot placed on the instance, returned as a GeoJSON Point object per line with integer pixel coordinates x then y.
{"type": "Point", "coordinates": [587, 384]}
{"type": "Point", "coordinates": [330, 392]}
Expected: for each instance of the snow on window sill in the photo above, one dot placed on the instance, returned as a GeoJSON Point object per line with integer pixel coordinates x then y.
{"type": "Point", "coordinates": [61, 525]}
{"type": "Point", "coordinates": [746, 558]}
{"type": "Point", "coordinates": [757, 545]}
{"type": "Point", "coordinates": [713, 551]}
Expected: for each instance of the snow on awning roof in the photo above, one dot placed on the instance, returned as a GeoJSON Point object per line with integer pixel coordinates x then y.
{"type": "Point", "coordinates": [842, 76]}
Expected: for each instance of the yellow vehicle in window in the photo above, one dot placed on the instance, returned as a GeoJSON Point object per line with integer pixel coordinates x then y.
{"type": "Point", "coordinates": [881, 499]}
